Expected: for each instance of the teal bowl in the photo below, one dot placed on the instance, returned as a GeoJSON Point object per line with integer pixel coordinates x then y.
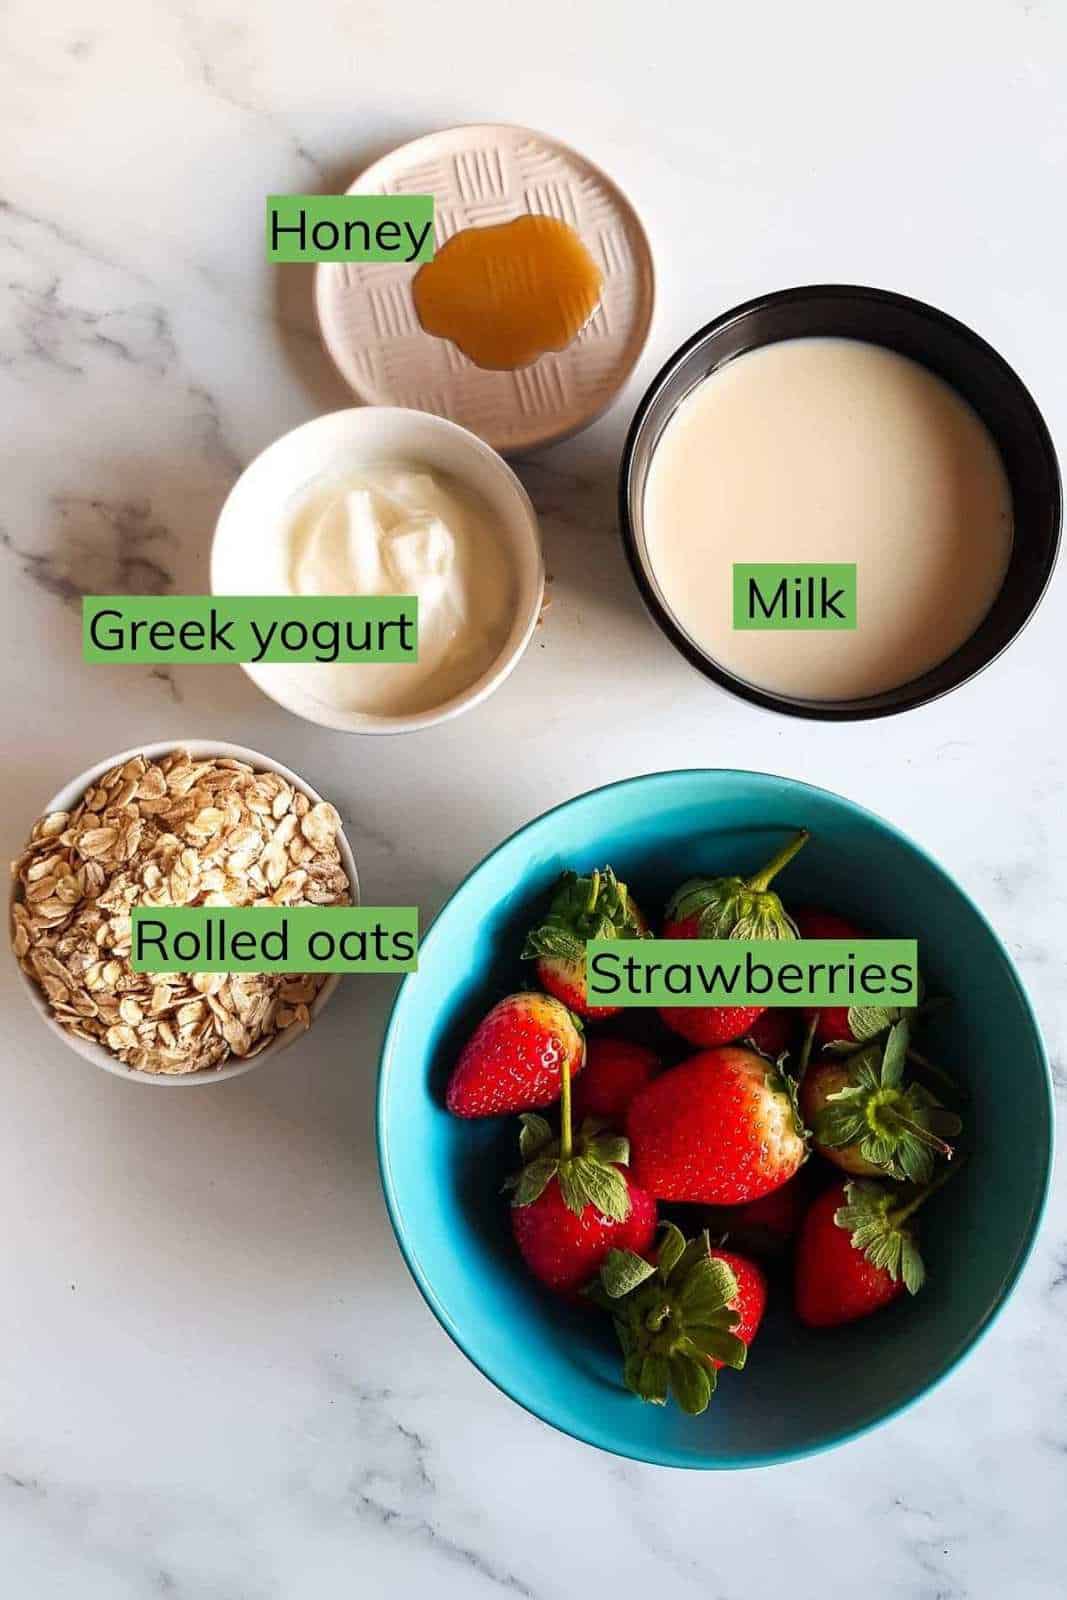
{"type": "Point", "coordinates": [802, 1391]}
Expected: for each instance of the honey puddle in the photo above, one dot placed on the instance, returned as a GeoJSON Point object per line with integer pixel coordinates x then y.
{"type": "Point", "coordinates": [506, 294]}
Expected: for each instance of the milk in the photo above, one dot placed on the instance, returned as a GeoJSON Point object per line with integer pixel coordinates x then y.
{"type": "Point", "coordinates": [830, 450]}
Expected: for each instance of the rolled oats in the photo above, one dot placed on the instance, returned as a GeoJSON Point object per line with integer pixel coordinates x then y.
{"type": "Point", "coordinates": [171, 832]}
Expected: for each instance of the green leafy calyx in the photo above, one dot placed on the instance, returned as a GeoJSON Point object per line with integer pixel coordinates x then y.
{"type": "Point", "coordinates": [867, 1022]}
{"type": "Point", "coordinates": [588, 1175]}
{"type": "Point", "coordinates": [738, 908]}
{"type": "Point", "coordinates": [900, 1128]}
{"type": "Point", "coordinates": [673, 1319]}
{"type": "Point", "coordinates": [596, 906]}
{"type": "Point", "coordinates": [878, 1223]}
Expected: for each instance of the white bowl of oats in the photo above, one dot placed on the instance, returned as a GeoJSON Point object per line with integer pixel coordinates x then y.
{"type": "Point", "coordinates": [185, 822]}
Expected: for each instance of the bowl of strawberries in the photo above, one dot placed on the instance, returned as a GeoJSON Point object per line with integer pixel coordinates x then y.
{"type": "Point", "coordinates": [711, 1236]}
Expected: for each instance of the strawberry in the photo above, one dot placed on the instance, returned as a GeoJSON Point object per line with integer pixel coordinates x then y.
{"type": "Point", "coordinates": [564, 1248]}
{"type": "Point", "coordinates": [750, 1301]}
{"type": "Point", "coordinates": [720, 1129]}
{"type": "Point", "coordinates": [867, 1121]}
{"type": "Point", "coordinates": [833, 1024]}
{"type": "Point", "coordinates": [514, 1058]}
{"type": "Point", "coordinates": [614, 1071]}
{"type": "Point", "coordinates": [706, 1026]}
{"type": "Point", "coordinates": [765, 1226]}
{"type": "Point", "coordinates": [681, 1318]}
{"type": "Point", "coordinates": [773, 1032]}
{"type": "Point", "coordinates": [593, 907]}
{"type": "Point", "coordinates": [727, 908]}
{"type": "Point", "coordinates": [574, 1203]}
{"type": "Point", "coordinates": [856, 1253]}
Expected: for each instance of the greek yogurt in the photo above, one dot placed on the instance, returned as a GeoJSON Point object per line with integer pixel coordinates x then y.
{"type": "Point", "coordinates": [401, 529]}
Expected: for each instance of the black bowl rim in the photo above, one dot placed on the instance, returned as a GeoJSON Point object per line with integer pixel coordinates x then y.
{"type": "Point", "coordinates": [896, 700]}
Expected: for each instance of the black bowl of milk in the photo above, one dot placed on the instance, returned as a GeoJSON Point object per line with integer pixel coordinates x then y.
{"type": "Point", "coordinates": [838, 502]}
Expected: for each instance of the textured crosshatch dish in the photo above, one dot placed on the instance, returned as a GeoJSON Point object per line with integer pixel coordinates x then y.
{"type": "Point", "coordinates": [481, 175]}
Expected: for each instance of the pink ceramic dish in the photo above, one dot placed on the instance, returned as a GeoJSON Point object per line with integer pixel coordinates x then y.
{"type": "Point", "coordinates": [482, 174]}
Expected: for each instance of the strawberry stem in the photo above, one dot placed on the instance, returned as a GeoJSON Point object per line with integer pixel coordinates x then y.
{"type": "Point", "coordinates": [566, 1146]}
{"type": "Point", "coordinates": [761, 880]}
{"type": "Point", "coordinates": [902, 1213]}
{"type": "Point", "coordinates": [806, 1048]}
{"type": "Point", "coordinates": [898, 1118]}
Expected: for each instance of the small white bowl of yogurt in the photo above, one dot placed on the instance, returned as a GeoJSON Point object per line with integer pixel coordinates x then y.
{"type": "Point", "coordinates": [386, 501]}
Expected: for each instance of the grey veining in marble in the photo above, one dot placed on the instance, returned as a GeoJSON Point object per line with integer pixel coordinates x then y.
{"type": "Point", "coordinates": [216, 1380]}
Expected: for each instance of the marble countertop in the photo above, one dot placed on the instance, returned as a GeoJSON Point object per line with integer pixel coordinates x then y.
{"type": "Point", "coordinates": [217, 1381]}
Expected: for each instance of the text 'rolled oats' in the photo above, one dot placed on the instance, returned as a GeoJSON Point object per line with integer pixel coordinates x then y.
{"type": "Point", "coordinates": [174, 832]}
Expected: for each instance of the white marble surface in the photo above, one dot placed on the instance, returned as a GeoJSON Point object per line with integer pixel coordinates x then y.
{"type": "Point", "coordinates": [216, 1380]}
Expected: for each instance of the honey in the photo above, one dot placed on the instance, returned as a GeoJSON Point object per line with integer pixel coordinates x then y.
{"type": "Point", "coordinates": [508, 293]}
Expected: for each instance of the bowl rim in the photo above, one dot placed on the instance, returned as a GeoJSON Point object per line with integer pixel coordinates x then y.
{"type": "Point", "coordinates": [589, 1433]}
{"type": "Point", "coordinates": [706, 665]}
{"type": "Point", "coordinates": [95, 1054]}
{"type": "Point", "coordinates": [528, 605]}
